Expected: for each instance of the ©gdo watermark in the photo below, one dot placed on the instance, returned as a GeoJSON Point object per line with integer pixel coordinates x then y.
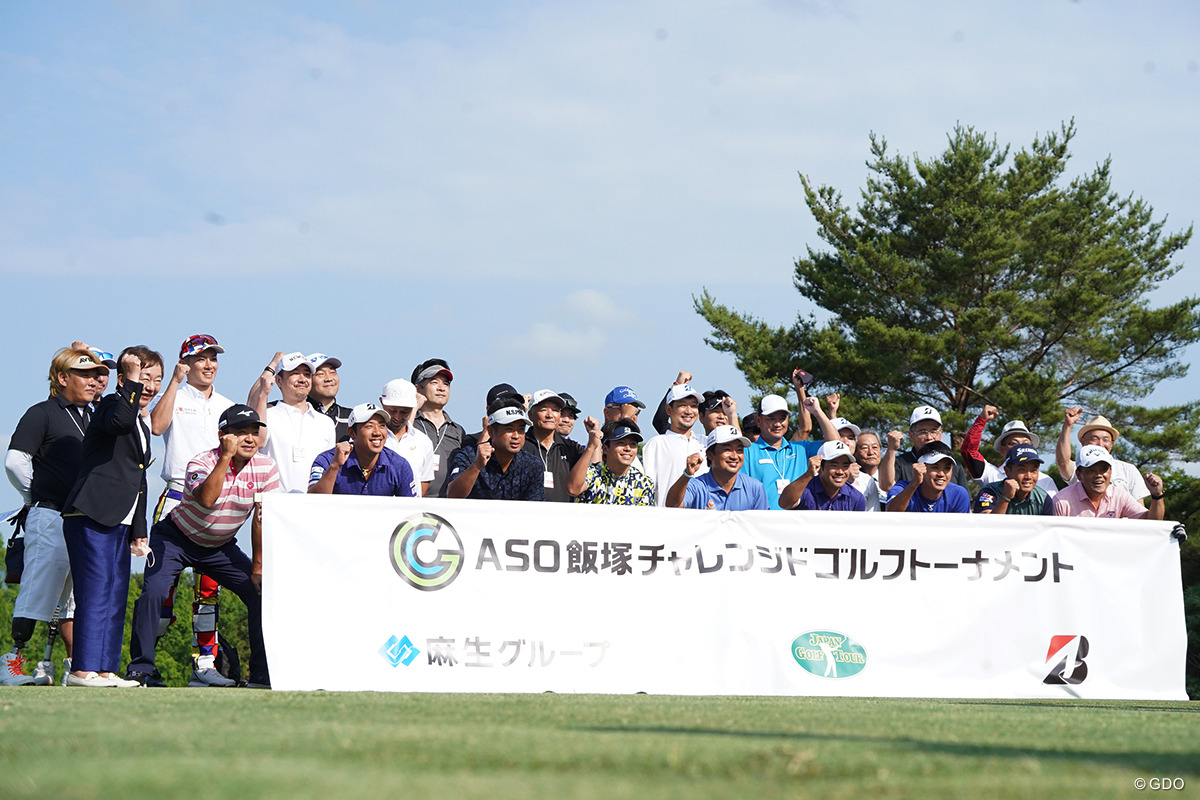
{"type": "Point", "coordinates": [426, 552]}
{"type": "Point", "coordinates": [1159, 784]}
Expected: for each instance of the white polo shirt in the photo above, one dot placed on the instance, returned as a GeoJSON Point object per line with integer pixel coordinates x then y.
{"type": "Point", "coordinates": [869, 486]}
{"type": "Point", "coordinates": [666, 457]}
{"type": "Point", "coordinates": [417, 450]}
{"type": "Point", "coordinates": [192, 429]}
{"type": "Point", "coordinates": [295, 437]}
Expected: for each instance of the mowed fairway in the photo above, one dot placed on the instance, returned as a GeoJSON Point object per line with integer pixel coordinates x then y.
{"type": "Point", "coordinates": [197, 743]}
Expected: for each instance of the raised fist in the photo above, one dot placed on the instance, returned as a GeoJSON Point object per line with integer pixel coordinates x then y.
{"type": "Point", "coordinates": [683, 377]}
{"type": "Point", "coordinates": [1009, 490]}
{"type": "Point", "coordinates": [894, 440]}
{"type": "Point", "coordinates": [989, 413]}
{"type": "Point", "coordinates": [341, 452]}
{"type": "Point", "coordinates": [1154, 484]}
{"type": "Point", "coordinates": [693, 463]}
{"type": "Point", "coordinates": [814, 465]}
{"type": "Point", "coordinates": [1072, 414]}
{"type": "Point", "coordinates": [918, 472]}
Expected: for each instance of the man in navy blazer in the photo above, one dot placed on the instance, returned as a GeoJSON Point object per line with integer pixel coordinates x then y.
{"type": "Point", "coordinates": [105, 513]}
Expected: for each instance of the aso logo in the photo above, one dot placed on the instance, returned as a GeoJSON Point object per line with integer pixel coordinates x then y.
{"type": "Point", "coordinates": [1064, 660]}
{"type": "Point", "coordinates": [829, 654]}
{"type": "Point", "coordinates": [426, 552]}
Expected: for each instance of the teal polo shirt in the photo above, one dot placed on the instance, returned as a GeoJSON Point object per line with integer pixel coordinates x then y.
{"type": "Point", "coordinates": [770, 465]}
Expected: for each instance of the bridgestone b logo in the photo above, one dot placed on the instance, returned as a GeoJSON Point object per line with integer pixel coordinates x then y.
{"type": "Point", "coordinates": [1065, 660]}
{"type": "Point", "coordinates": [426, 552]}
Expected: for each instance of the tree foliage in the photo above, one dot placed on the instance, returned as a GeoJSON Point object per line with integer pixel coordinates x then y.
{"type": "Point", "coordinates": [984, 276]}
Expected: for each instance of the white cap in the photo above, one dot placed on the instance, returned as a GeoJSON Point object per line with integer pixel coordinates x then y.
{"type": "Point", "coordinates": [936, 456]}
{"type": "Point", "coordinates": [725, 433]}
{"type": "Point", "coordinates": [292, 361]}
{"type": "Point", "coordinates": [508, 414]}
{"type": "Point", "coordinates": [682, 390]}
{"type": "Point", "coordinates": [842, 422]}
{"type": "Point", "coordinates": [365, 411]}
{"type": "Point", "coordinates": [922, 413]}
{"type": "Point", "coordinates": [316, 360]}
{"type": "Point", "coordinates": [835, 449]}
{"type": "Point", "coordinates": [770, 404]}
{"type": "Point", "coordinates": [1016, 426]}
{"type": "Point", "coordinates": [399, 393]}
{"type": "Point", "coordinates": [542, 395]}
{"type": "Point", "coordinates": [1093, 454]}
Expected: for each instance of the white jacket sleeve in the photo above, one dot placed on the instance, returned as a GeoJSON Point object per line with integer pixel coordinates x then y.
{"type": "Point", "coordinates": [19, 466]}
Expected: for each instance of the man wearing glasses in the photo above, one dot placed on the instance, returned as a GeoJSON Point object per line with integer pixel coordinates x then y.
{"type": "Point", "coordinates": [924, 427]}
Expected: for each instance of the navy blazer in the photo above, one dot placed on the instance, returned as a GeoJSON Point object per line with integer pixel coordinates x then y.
{"type": "Point", "coordinates": [113, 474]}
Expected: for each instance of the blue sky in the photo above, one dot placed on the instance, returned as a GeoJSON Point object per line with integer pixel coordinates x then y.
{"type": "Point", "coordinates": [532, 190]}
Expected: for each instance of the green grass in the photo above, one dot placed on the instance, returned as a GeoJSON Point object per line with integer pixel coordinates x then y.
{"type": "Point", "coordinates": [207, 743]}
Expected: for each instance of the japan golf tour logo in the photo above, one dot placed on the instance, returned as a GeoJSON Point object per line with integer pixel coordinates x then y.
{"type": "Point", "coordinates": [426, 552]}
{"type": "Point", "coordinates": [1065, 661]}
{"type": "Point", "coordinates": [829, 654]}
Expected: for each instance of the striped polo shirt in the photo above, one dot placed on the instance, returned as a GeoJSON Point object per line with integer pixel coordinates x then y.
{"type": "Point", "coordinates": [213, 527]}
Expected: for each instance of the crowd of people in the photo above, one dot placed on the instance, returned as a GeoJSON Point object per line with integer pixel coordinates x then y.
{"type": "Point", "coordinates": [79, 460]}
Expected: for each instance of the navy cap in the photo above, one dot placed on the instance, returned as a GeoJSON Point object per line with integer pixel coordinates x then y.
{"type": "Point", "coordinates": [1022, 454]}
{"type": "Point", "coordinates": [238, 416]}
{"type": "Point", "coordinates": [571, 404]}
{"type": "Point", "coordinates": [500, 390]}
{"type": "Point", "coordinates": [622, 432]}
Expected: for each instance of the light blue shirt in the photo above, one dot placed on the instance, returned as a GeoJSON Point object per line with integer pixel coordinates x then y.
{"type": "Point", "coordinates": [769, 465]}
{"type": "Point", "coordinates": [747, 495]}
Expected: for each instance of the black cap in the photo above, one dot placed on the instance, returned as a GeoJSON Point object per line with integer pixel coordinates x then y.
{"type": "Point", "coordinates": [500, 390]}
{"type": "Point", "coordinates": [239, 416]}
{"type": "Point", "coordinates": [571, 404]}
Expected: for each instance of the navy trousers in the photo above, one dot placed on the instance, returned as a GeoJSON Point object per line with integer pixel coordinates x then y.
{"type": "Point", "coordinates": [100, 563]}
{"type": "Point", "coordinates": [173, 552]}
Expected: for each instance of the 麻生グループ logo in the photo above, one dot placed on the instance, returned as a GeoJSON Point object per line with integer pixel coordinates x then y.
{"type": "Point", "coordinates": [426, 552]}
{"type": "Point", "coordinates": [829, 654]}
{"type": "Point", "coordinates": [1064, 660]}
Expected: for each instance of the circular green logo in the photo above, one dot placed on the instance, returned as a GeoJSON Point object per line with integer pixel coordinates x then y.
{"type": "Point", "coordinates": [426, 552]}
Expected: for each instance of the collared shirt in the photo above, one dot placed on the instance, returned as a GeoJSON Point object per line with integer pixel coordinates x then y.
{"type": "Point", "coordinates": [192, 429]}
{"type": "Point", "coordinates": [213, 527]}
{"type": "Point", "coordinates": [704, 492]}
{"type": "Point", "coordinates": [868, 486]}
{"type": "Point", "coordinates": [52, 433]}
{"type": "Point", "coordinates": [295, 437]}
{"type": "Point", "coordinates": [603, 486]}
{"type": "Point", "coordinates": [558, 461]}
{"type": "Point", "coordinates": [776, 467]}
{"type": "Point", "coordinates": [993, 474]}
{"type": "Point", "coordinates": [954, 500]}
{"type": "Point", "coordinates": [391, 477]}
{"type": "Point", "coordinates": [416, 449]}
{"type": "Point", "coordinates": [521, 481]}
{"type": "Point", "coordinates": [666, 458]}
{"type": "Point", "coordinates": [1073, 501]}
{"type": "Point", "coordinates": [446, 439]}
{"type": "Point", "coordinates": [814, 498]}
{"type": "Point", "coordinates": [1038, 503]}
{"type": "Point", "coordinates": [339, 414]}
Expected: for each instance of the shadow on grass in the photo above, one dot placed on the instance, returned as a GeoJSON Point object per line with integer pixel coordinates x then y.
{"type": "Point", "coordinates": [1171, 706]}
{"type": "Point", "coordinates": [1174, 764]}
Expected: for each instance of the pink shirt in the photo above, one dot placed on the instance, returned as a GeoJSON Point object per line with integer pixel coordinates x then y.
{"type": "Point", "coordinates": [1115, 502]}
{"type": "Point", "coordinates": [213, 527]}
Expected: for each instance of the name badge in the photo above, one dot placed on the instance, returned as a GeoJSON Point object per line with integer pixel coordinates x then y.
{"type": "Point", "coordinates": [765, 461]}
{"type": "Point", "coordinates": [781, 484]}
{"type": "Point", "coordinates": [299, 454]}
{"type": "Point", "coordinates": [437, 461]}
{"type": "Point", "coordinates": [548, 479]}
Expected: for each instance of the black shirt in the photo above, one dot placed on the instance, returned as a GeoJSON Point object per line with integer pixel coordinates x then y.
{"type": "Point", "coordinates": [558, 461]}
{"type": "Point", "coordinates": [905, 460]}
{"type": "Point", "coordinates": [52, 432]}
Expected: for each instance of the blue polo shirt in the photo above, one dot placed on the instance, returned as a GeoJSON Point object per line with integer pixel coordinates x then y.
{"type": "Point", "coordinates": [814, 498]}
{"type": "Point", "coordinates": [768, 465]}
{"type": "Point", "coordinates": [392, 476]}
{"type": "Point", "coordinates": [747, 495]}
{"type": "Point", "coordinates": [523, 480]}
{"type": "Point", "coordinates": [954, 500]}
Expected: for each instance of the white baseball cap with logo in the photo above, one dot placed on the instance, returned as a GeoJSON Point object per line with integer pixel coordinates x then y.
{"type": "Point", "coordinates": [682, 390]}
{"type": "Point", "coordinates": [292, 361]}
{"type": "Point", "coordinates": [835, 449]}
{"type": "Point", "coordinates": [318, 360]}
{"type": "Point", "coordinates": [770, 404]}
{"type": "Point", "coordinates": [1093, 454]}
{"type": "Point", "coordinates": [365, 411]}
{"type": "Point", "coordinates": [921, 413]}
{"type": "Point", "coordinates": [725, 433]}
{"type": "Point", "coordinates": [398, 393]}
{"type": "Point", "coordinates": [841, 423]}
{"type": "Point", "coordinates": [542, 395]}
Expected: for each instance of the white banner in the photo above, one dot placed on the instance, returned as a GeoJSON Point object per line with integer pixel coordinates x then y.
{"type": "Point", "coordinates": [394, 594]}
